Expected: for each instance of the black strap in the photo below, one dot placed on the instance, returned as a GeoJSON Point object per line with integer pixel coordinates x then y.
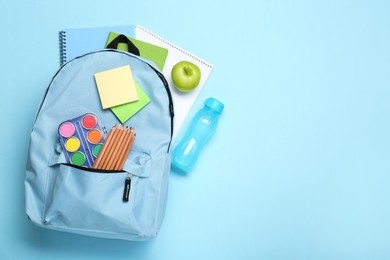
{"type": "Point", "coordinates": [171, 110]}
{"type": "Point", "coordinates": [123, 39]}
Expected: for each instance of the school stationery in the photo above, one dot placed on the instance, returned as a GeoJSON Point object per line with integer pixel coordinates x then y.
{"type": "Point", "coordinates": [116, 86]}
{"type": "Point", "coordinates": [183, 101]}
{"type": "Point", "coordinates": [124, 204]}
{"type": "Point", "coordinates": [115, 149]}
{"type": "Point", "coordinates": [147, 50]}
{"type": "Point", "coordinates": [81, 138]}
{"type": "Point", "coordinates": [126, 111]}
{"type": "Point", "coordinates": [78, 41]}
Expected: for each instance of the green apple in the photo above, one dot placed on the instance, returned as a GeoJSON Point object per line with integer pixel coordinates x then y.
{"type": "Point", "coordinates": [185, 76]}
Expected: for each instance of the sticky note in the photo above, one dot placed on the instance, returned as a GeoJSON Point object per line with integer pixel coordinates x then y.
{"type": "Point", "coordinates": [116, 86]}
{"type": "Point", "coordinates": [126, 111]}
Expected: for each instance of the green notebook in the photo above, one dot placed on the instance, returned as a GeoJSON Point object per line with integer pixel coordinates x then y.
{"type": "Point", "coordinates": [125, 111]}
{"type": "Point", "coordinates": [148, 51]}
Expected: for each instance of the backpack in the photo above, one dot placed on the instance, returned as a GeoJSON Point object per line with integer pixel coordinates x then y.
{"type": "Point", "coordinates": [64, 197]}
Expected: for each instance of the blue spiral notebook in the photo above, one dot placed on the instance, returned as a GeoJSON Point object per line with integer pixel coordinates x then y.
{"type": "Point", "coordinates": [78, 41]}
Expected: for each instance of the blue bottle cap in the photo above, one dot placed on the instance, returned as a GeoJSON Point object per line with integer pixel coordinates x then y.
{"type": "Point", "coordinates": [214, 105]}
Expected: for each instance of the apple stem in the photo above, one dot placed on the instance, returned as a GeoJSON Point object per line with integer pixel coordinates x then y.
{"type": "Point", "coordinates": [185, 70]}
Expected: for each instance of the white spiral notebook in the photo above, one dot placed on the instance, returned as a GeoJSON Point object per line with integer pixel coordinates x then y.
{"type": "Point", "coordinates": [182, 101]}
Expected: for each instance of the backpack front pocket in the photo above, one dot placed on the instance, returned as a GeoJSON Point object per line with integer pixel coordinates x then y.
{"type": "Point", "coordinates": [83, 199]}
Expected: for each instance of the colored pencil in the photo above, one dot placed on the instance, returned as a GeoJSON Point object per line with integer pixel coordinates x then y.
{"type": "Point", "coordinates": [123, 155]}
{"type": "Point", "coordinates": [117, 148]}
{"type": "Point", "coordinates": [128, 148]}
{"type": "Point", "coordinates": [106, 159]}
{"type": "Point", "coordinates": [130, 145]}
{"type": "Point", "coordinates": [122, 149]}
{"type": "Point", "coordinates": [108, 144]}
{"type": "Point", "coordinates": [102, 152]}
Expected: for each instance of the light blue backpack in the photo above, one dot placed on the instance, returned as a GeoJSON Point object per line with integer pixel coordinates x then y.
{"type": "Point", "coordinates": [64, 197]}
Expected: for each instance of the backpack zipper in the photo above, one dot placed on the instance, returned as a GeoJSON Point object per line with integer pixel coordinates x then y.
{"type": "Point", "coordinates": [44, 95]}
{"type": "Point", "coordinates": [126, 190]}
{"type": "Point", "coordinates": [171, 109]}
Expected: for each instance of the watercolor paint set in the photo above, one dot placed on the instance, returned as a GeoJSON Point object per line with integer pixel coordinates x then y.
{"type": "Point", "coordinates": [81, 138]}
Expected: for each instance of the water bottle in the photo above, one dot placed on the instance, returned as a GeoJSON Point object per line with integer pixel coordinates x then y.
{"type": "Point", "coordinates": [202, 127]}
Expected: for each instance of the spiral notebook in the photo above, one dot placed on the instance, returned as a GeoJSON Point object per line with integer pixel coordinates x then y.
{"type": "Point", "coordinates": [78, 41]}
{"type": "Point", "coordinates": [182, 101]}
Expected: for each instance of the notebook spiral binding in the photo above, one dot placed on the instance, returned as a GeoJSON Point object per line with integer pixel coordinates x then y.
{"type": "Point", "coordinates": [62, 35]}
{"type": "Point", "coordinates": [174, 46]}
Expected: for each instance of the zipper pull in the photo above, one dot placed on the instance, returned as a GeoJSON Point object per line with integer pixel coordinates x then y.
{"type": "Point", "coordinates": [126, 191]}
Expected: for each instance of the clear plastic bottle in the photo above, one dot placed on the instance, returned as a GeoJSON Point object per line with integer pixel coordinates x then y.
{"type": "Point", "coordinates": [202, 127]}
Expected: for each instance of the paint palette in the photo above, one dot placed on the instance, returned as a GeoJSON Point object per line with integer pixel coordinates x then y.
{"type": "Point", "coordinates": [81, 138]}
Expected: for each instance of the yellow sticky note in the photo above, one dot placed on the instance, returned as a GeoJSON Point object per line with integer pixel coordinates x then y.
{"type": "Point", "coordinates": [116, 86]}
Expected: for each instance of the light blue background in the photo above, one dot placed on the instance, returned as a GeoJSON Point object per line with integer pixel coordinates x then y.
{"type": "Point", "coordinates": [299, 165]}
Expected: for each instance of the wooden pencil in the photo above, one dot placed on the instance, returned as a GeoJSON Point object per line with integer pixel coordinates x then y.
{"type": "Point", "coordinates": [128, 148]}
{"type": "Point", "coordinates": [102, 152]}
{"type": "Point", "coordinates": [123, 149]}
{"type": "Point", "coordinates": [110, 149]}
{"type": "Point", "coordinates": [117, 148]}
